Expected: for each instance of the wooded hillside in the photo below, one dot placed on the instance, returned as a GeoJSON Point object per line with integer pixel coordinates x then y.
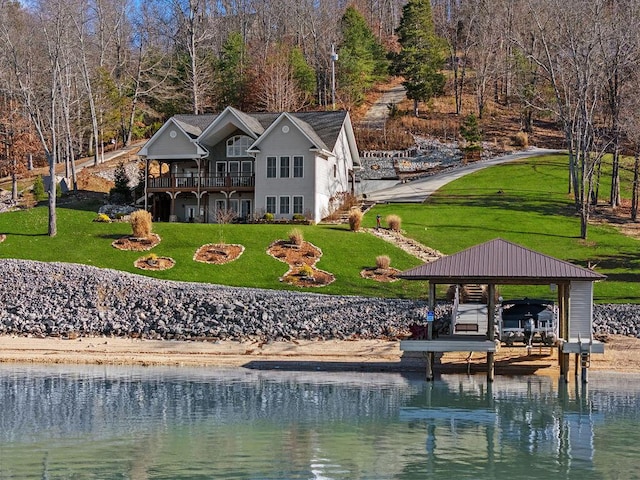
{"type": "Point", "coordinates": [79, 75]}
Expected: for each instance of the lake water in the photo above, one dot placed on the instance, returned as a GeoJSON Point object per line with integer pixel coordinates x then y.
{"type": "Point", "coordinates": [92, 422]}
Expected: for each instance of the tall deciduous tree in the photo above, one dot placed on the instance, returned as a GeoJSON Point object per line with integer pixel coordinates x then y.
{"type": "Point", "coordinates": [422, 53]}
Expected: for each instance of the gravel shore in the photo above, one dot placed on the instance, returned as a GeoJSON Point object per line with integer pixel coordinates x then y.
{"type": "Point", "coordinates": [59, 299]}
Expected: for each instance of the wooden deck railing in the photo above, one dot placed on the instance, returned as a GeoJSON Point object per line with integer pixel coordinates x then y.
{"type": "Point", "coordinates": [179, 182]}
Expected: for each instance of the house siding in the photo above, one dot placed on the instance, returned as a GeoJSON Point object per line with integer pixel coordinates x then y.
{"type": "Point", "coordinates": [290, 144]}
{"type": "Point", "coordinates": [165, 146]}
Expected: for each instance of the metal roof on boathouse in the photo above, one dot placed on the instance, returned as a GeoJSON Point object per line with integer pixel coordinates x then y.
{"type": "Point", "coordinates": [499, 261]}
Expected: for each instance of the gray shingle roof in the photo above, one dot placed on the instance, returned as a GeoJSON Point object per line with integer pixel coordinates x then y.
{"type": "Point", "coordinates": [326, 125]}
{"type": "Point", "coordinates": [501, 262]}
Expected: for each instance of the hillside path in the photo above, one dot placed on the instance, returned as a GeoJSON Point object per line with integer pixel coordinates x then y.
{"type": "Point", "coordinates": [376, 116]}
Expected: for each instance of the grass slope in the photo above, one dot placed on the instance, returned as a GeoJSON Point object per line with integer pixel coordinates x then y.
{"type": "Point", "coordinates": [525, 202]}
{"type": "Point", "coordinates": [80, 240]}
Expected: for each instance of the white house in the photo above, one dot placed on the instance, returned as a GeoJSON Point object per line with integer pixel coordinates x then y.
{"type": "Point", "coordinates": [247, 164]}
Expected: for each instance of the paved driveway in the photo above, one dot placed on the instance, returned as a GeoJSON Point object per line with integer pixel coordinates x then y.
{"type": "Point", "coordinates": [417, 191]}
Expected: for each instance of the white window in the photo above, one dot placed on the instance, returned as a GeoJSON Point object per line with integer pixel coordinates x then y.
{"type": "Point", "coordinates": [271, 205]}
{"type": "Point", "coordinates": [245, 208]}
{"type": "Point", "coordinates": [271, 167]}
{"type": "Point", "coordinates": [284, 167]}
{"type": "Point", "coordinates": [284, 205]}
{"type": "Point", "coordinates": [234, 206]}
{"type": "Point", "coordinates": [298, 204]}
{"type": "Point", "coordinates": [237, 146]}
{"type": "Point", "coordinates": [298, 167]}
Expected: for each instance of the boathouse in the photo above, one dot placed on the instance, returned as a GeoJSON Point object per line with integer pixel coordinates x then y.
{"type": "Point", "coordinates": [500, 262]}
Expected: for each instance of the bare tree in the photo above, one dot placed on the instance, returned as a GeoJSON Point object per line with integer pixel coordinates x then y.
{"type": "Point", "coordinates": [568, 57]}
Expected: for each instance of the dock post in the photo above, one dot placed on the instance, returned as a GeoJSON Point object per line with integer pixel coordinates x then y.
{"type": "Point", "coordinates": [490, 366]}
{"type": "Point", "coordinates": [430, 358]}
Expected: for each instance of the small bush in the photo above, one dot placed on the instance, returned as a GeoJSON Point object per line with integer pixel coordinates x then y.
{"type": "Point", "coordinates": [355, 219]}
{"type": "Point", "coordinates": [394, 222]}
{"type": "Point", "coordinates": [521, 139]}
{"type": "Point", "coordinates": [140, 221]}
{"type": "Point", "coordinates": [383, 262]}
{"type": "Point", "coordinates": [296, 237]}
{"type": "Point", "coordinates": [103, 218]}
{"type": "Point", "coordinates": [151, 257]}
{"type": "Point", "coordinates": [298, 217]}
{"type": "Point", "coordinates": [268, 217]}
{"type": "Point", "coordinates": [38, 189]}
{"type": "Point", "coordinates": [305, 271]}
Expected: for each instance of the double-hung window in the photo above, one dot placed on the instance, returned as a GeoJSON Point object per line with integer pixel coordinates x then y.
{"type": "Point", "coordinates": [271, 205]}
{"type": "Point", "coordinates": [284, 205]}
{"type": "Point", "coordinates": [284, 167]}
{"type": "Point", "coordinates": [298, 167]}
{"type": "Point", "coordinates": [298, 204]}
{"type": "Point", "coordinates": [272, 168]}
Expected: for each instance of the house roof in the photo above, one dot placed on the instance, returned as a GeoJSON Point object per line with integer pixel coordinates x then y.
{"type": "Point", "coordinates": [501, 262]}
{"type": "Point", "coordinates": [325, 126]}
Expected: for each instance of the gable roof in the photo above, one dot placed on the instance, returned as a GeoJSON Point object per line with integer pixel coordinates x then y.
{"type": "Point", "coordinates": [189, 130]}
{"type": "Point", "coordinates": [306, 129]}
{"type": "Point", "coordinates": [326, 125]}
{"type": "Point", "coordinates": [502, 262]}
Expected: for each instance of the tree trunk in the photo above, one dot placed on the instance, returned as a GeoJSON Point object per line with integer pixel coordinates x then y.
{"type": "Point", "coordinates": [53, 229]}
{"type": "Point", "coordinates": [634, 191]}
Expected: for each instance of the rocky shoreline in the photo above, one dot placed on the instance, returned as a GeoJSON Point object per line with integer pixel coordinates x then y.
{"type": "Point", "coordinates": [70, 300]}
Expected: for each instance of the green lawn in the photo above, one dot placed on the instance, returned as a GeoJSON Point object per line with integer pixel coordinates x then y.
{"type": "Point", "coordinates": [527, 203]}
{"type": "Point", "coordinates": [80, 240]}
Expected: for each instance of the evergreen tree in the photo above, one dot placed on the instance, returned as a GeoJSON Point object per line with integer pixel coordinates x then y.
{"type": "Point", "coordinates": [470, 131]}
{"type": "Point", "coordinates": [422, 53]}
{"type": "Point", "coordinates": [362, 59]}
{"type": "Point", "coordinates": [303, 74]}
{"type": "Point", "coordinates": [231, 72]}
{"type": "Point", "coordinates": [38, 189]}
{"type": "Point", "coordinates": [120, 193]}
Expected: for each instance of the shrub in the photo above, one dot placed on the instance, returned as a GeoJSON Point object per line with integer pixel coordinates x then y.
{"type": "Point", "coordinates": [38, 189]}
{"type": "Point", "coordinates": [298, 217]}
{"type": "Point", "coordinates": [394, 222]}
{"type": "Point", "coordinates": [296, 237]}
{"type": "Point", "coordinates": [521, 139]}
{"type": "Point", "coordinates": [150, 257]}
{"type": "Point", "coordinates": [102, 217]}
{"type": "Point", "coordinates": [383, 262]}
{"type": "Point", "coordinates": [305, 271]}
{"type": "Point", "coordinates": [355, 219]}
{"type": "Point", "coordinates": [140, 221]}
{"type": "Point", "coordinates": [268, 217]}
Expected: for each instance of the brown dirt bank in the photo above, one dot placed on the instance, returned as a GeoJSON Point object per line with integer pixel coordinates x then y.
{"type": "Point", "coordinates": [622, 355]}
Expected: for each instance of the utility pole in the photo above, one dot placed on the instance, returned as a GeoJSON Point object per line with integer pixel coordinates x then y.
{"type": "Point", "coordinates": [334, 59]}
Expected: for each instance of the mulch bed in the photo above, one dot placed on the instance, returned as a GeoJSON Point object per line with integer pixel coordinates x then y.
{"type": "Point", "coordinates": [159, 263]}
{"type": "Point", "coordinates": [137, 244]}
{"type": "Point", "coordinates": [218, 253]}
{"type": "Point", "coordinates": [381, 274]}
{"type": "Point", "coordinates": [297, 257]}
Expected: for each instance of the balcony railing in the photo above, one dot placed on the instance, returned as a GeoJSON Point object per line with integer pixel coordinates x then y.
{"type": "Point", "coordinates": [185, 182]}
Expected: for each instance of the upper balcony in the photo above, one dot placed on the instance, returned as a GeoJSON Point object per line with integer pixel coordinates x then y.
{"type": "Point", "coordinates": [189, 183]}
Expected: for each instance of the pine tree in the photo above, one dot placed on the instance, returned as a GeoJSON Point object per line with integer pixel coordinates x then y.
{"type": "Point", "coordinates": [422, 54]}
{"type": "Point", "coordinates": [231, 72]}
{"type": "Point", "coordinates": [120, 193]}
{"type": "Point", "coordinates": [362, 59]}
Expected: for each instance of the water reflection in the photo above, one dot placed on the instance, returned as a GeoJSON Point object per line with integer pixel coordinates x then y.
{"type": "Point", "coordinates": [110, 422]}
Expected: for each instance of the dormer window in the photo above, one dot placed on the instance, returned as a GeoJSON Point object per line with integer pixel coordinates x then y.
{"type": "Point", "coordinates": [237, 146]}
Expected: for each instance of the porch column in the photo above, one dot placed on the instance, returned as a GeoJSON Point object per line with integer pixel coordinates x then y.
{"type": "Point", "coordinates": [146, 184]}
{"type": "Point", "coordinates": [172, 214]}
